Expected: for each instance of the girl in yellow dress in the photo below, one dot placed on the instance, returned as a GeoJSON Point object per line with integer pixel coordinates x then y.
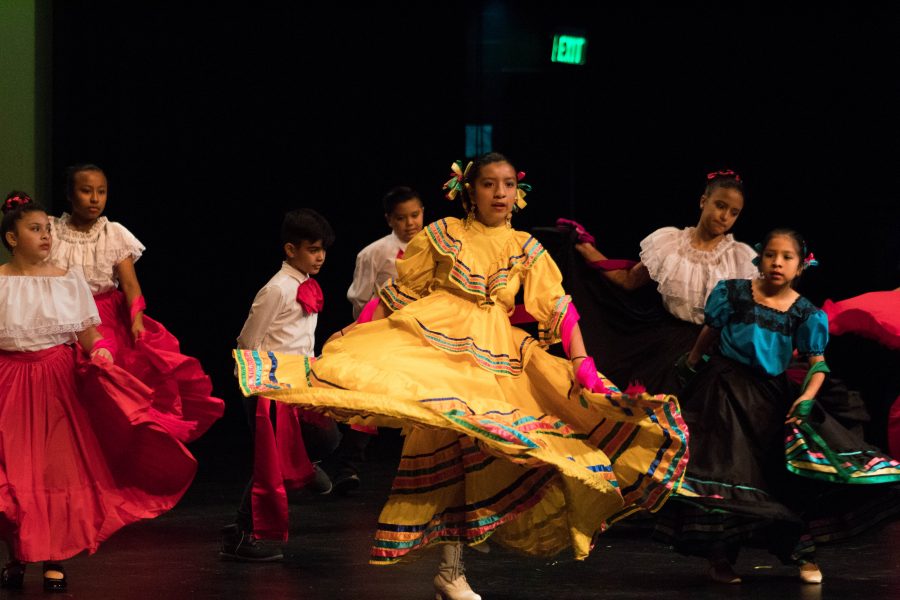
{"type": "Point", "coordinates": [503, 440]}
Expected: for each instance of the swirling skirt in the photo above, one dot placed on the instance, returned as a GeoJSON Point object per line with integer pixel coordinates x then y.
{"type": "Point", "coordinates": [521, 458]}
{"type": "Point", "coordinates": [182, 392]}
{"type": "Point", "coordinates": [753, 479]}
{"type": "Point", "coordinates": [81, 454]}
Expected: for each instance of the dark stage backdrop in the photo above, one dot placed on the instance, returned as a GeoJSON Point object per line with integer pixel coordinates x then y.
{"type": "Point", "coordinates": [212, 121]}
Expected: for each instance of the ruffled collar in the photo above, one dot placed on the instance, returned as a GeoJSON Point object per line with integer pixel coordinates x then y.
{"type": "Point", "coordinates": [709, 257]}
{"type": "Point", "coordinates": [482, 259]}
{"type": "Point", "coordinates": [67, 232]}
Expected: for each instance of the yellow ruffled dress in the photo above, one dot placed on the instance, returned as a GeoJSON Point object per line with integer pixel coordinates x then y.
{"type": "Point", "coordinates": [497, 442]}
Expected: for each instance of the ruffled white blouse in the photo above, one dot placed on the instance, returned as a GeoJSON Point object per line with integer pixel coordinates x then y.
{"type": "Point", "coordinates": [95, 252]}
{"type": "Point", "coordinates": [41, 312]}
{"type": "Point", "coordinates": [685, 276]}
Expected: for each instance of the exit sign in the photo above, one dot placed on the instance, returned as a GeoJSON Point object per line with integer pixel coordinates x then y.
{"type": "Point", "coordinates": [569, 49]}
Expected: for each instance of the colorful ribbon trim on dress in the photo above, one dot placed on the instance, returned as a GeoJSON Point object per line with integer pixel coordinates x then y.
{"type": "Point", "coordinates": [500, 364]}
{"type": "Point", "coordinates": [257, 371]}
{"type": "Point", "coordinates": [462, 275]}
{"type": "Point", "coordinates": [550, 334]}
{"type": "Point", "coordinates": [809, 455]}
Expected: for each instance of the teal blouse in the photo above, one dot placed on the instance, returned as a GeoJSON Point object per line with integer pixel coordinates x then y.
{"type": "Point", "coordinates": [762, 337]}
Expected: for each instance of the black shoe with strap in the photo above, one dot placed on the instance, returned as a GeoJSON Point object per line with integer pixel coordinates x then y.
{"type": "Point", "coordinates": [13, 575]}
{"type": "Point", "coordinates": [53, 583]}
{"type": "Point", "coordinates": [346, 482]}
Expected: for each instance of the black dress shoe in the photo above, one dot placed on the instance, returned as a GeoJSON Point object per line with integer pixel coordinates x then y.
{"type": "Point", "coordinates": [13, 576]}
{"type": "Point", "coordinates": [52, 584]}
{"type": "Point", "coordinates": [346, 482]}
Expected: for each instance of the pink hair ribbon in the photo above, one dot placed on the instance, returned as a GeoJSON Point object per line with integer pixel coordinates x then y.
{"type": "Point", "coordinates": [723, 173]}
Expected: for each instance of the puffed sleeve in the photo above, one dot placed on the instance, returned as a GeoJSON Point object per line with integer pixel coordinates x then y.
{"type": "Point", "coordinates": [123, 243]}
{"type": "Point", "coordinates": [812, 335]}
{"type": "Point", "coordinates": [545, 298]}
{"type": "Point", "coordinates": [415, 274]}
{"type": "Point", "coordinates": [718, 306]}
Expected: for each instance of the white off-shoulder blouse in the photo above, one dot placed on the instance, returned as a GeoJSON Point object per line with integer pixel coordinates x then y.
{"type": "Point", "coordinates": [685, 276]}
{"type": "Point", "coordinates": [96, 252]}
{"type": "Point", "coordinates": [41, 312]}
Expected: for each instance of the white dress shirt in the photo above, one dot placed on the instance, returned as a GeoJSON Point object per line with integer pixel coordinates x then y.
{"type": "Point", "coordinates": [375, 265]}
{"type": "Point", "coordinates": [277, 321]}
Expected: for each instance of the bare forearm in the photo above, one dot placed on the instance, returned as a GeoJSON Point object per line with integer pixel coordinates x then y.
{"type": "Point", "coordinates": [813, 387]}
{"type": "Point", "coordinates": [705, 340]}
{"type": "Point", "coordinates": [577, 351]}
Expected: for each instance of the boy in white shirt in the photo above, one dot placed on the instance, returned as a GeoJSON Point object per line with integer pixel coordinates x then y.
{"type": "Point", "coordinates": [282, 318]}
{"type": "Point", "coordinates": [404, 213]}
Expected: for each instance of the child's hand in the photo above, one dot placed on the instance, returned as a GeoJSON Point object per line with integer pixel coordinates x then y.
{"type": "Point", "coordinates": [137, 326]}
{"type": "Point", "coordinates": [684, 372]}
{"type": "Point", "coordinates": [102, 355]}
{"type": "Point", "coordinates": [586, 376]}
{"type": "Point", "coordinates": [799, 410]}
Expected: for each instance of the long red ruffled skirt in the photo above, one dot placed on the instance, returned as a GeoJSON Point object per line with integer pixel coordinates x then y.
{"type": "Point", "coordinates": [182, 392]}
{"type": "Point", "coordinates": [81, 454]}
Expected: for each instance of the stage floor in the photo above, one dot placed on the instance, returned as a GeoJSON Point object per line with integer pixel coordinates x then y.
{"type": "Point", "coordinates": [176, 556]}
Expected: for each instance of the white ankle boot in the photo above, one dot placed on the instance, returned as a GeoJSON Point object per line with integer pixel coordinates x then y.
{"type": "Point", "coordinates": [450, 582]}
{"type": "Point", "coordinates": [810, 573]}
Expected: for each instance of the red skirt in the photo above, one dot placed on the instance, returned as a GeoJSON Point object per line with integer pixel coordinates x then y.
{"type": "Point", "coordinates": [182, 392]}
{"type": "Point", "coordinates": [81, 454]}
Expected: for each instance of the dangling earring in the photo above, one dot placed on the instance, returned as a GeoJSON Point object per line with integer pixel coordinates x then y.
{"type": "Point", "coordinates": [470, 216]}
{"type": "Point", "coordinates": [509, 220]}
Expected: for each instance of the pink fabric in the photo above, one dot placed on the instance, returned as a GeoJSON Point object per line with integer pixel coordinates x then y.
{"type": "Point", "coordinates": [569, 225]}
{"type": "Point", "coordinates": [635, 387]}
{"type": "Point", "coordinates": [567, 326]}
{"type": "Point", "coordinates": [104, 343]}
{"type": "Point", "coordinates": [520, 315]}
{"type": "Point", "coordinates": [280, 462]}
{"type": "Point", "coordinates": [310, 297]}
{"type": "Point", "coordinates": [137, 306]}
{"type": "Point", "coordinates": [368, 310]}
{"type": "Point", "coordinates": [82, 454]}
{"type": "Point", "coordinates": [181, 391]}
{"type": "Point", "coordinates": [612, 264]}
{"type": "Point", "coordinates": [894, 428]}
{"type": "Point", "coordinates": [365, 429]}
{"type": "Point", "coordinates": [875, 315]}
{"type": "Point", "coordinates": [796, 375]}
{"type": "Point", "coordinates": [588, 378]}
